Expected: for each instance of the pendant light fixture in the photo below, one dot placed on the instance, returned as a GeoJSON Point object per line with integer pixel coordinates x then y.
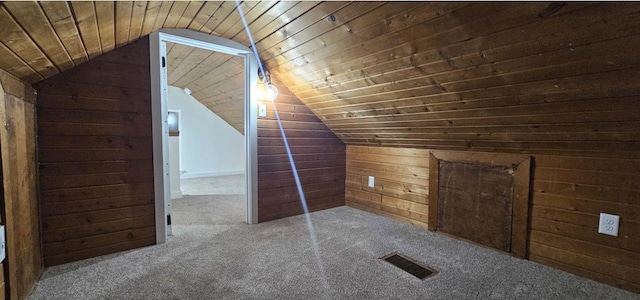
{"type": "Point", "coordinates": [269, 90]}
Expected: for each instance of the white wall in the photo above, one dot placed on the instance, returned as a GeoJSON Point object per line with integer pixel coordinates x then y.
{"type": "Point", "coordinates": [208, 145]}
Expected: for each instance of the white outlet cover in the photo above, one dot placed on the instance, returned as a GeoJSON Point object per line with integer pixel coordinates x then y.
{"type": "Point", "coordinates": [262, 110]}
{"type": "Point", "coordinates": [371, 181]}
{"type": "Point", "coordinates": [609, 224]}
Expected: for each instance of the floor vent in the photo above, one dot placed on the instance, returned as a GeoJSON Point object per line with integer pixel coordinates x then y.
{"type": "Point", "coordinates": [409, 265]}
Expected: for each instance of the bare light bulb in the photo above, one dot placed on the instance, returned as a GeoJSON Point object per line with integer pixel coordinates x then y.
{"type": "Point", "coordinates": [271, 92]}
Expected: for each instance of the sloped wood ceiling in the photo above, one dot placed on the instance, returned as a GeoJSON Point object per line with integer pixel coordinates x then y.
{"type": "Point", "coordinates": [557, 78]}
{"type": "Point", "coordinates": [215, 79]}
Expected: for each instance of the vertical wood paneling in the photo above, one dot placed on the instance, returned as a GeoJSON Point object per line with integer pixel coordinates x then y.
{"type": "Point", "coordinates": [33, 20]}
{"type": "Point", "coordinates": [95, 152]}
{"type": "Point", "coordinates": [87, 22]}
{"type": "Point", "coordinates": [58, 13]}
{"type": "Point", "coordinates": [189, 13]}
{"type": "Point", "coordinates": [150, 17]}
{"type": "Point", "coordinates": [106, 24]}
{"type": "Point", "coordinates": [123, 21]}
{"type": "Point", "coordinates": [208, 10]}
{"type": "Point", "coordinates": [19, 174]}
{"type": "Point", "coordinates": [137, 20]}
{"type": "Point", "coordinates": [14, 65]}
{"type": "Point", "coordinates": [16, 40]}
{"type": "Point", "coordinates": [163, 12]}
{"type": "Point", "coordinates": [401, 180]}
{"type": "Point", "coordinates": [318, 154]}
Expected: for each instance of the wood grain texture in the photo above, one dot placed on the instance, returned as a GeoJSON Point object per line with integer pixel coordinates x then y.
{"type": "Point", "coordinates": [553, 80]}
{"type": "Point", "coordinates": [215, 80]}
{"type": "Point", "coordinates": [519, 167]}
{"type": "Point", "coordinates": [464, 77]}
{"type": "Point", "coordinates": [567, 195]}
{"type": "Point", "coordinates": [401, 182]}
{"type": "Point", "coordinates": [95, 153]}
{"type": "Point", "coordinates": [476, 203]}
{"type": "Point", "coordinates": [318, 154]}
{"type": "Point", "coordinates": [19, 178]}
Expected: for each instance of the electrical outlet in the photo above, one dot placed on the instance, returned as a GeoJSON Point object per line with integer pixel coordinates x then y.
{"type": "Point", "coordinates": [609, 224]}
{"type": "Point", "coordinates": [262, 110]}
{"type": "Point", "coordinates": [371, 181]}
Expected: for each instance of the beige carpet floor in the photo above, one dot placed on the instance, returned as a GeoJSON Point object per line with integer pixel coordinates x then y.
{"type": "Point", "coordinates": [218, 185]}
{"type": "Point", "coordinates": [211, 258]}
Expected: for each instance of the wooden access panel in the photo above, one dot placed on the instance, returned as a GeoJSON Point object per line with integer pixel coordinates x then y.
{"type": "Point", "coordinates": [521, 165]}
{"type": "Point", "coordinates": [476, 203]}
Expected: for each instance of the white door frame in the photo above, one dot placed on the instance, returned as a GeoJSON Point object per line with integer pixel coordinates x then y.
{"type": "Point", "coordinates": [160, 126]}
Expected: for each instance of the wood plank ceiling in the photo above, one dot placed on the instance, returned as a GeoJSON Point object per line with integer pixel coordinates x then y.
{"type": "Point", "coordinates": [513, 77]}
{"type": "Point", "coordinates": [215, 79]}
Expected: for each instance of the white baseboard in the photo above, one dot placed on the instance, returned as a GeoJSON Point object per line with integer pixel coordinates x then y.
{"type": "Point", "coordinates": [209, 174]}
{"type": "Point", "coordinates": [176, 195]}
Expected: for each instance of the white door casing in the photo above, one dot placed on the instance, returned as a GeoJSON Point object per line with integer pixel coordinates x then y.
{"type": "Point", "coordinates": [159, 108]}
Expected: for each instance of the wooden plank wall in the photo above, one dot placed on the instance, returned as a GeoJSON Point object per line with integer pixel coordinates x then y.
{"type": "Point", "coordinates": [401, 180]}
{"type": "Point", "coordinates": [569, 192]}
{"type": "Point", "coordinates": [554, 78]}
{"type": "Point", "coordinates": [318, 154]}
{"type": "Point", "coordinates": [19, 173]}
{"type": "Point", "coordinates": [558, 81]}
{"type": "Point", "coordinates": [95, 153]}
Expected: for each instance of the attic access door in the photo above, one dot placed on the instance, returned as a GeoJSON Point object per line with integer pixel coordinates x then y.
{"type": "Point", "coordinates": [161, 127]}
{"type": "Point", "coordinates": [481, 197]}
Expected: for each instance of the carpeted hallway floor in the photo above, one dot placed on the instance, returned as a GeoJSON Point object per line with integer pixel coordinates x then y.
{"type": "Point", "coordinates": [275, 260]}
{"type": "Point", "coordinates": [217, 185]}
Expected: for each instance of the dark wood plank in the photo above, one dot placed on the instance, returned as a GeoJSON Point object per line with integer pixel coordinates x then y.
{"type": "Point", "coordinates": [319, 157]}
{"type": "Point", "coordinates": [95, 151]}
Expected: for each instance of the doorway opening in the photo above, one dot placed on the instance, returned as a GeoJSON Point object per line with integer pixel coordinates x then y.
{"type": "Point", "coordinates": [239, 113]}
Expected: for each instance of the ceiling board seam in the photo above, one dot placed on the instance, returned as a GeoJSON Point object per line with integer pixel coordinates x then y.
{"type": "Point", "coordinates": [335, 27]}
{"type": "Point", "coordinates": [323, 84]}
{"type": "Point", "coordinates": [300, 30]}
{"type": "Point", "coordinates": [21, 60]}
{"type": "Point", "coordinates": [50, 25]}
{"type": "Point", "coordinates": [518, 105]}
{"type": "Point", "coordinates": [253, 9]}
{"type": "Point", "coordinates": [234, 9]}
{"type": "Point", "coordinates": [311, 104]}
{"type": "Point", "coordinates": [160, 22]}
{"type": "Point", "coordinates": [144, 15]}
{"type": "Point", "coordinates": [202, 5]}
{"type": "Point", "coordinates": [82, 38]}
{"type": "Point", "coordinates": [292, 20]}
{"type": "Point", "coordinates": [219, 10]}
{"type": "Point", "coordinates": [264, 12]}
{"type": "Point", "coordinates": [320, 71]}
{"type": "Point", "coordinates": [13, 19]}
{"type": "Point", "coordinates": [95, 13]}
